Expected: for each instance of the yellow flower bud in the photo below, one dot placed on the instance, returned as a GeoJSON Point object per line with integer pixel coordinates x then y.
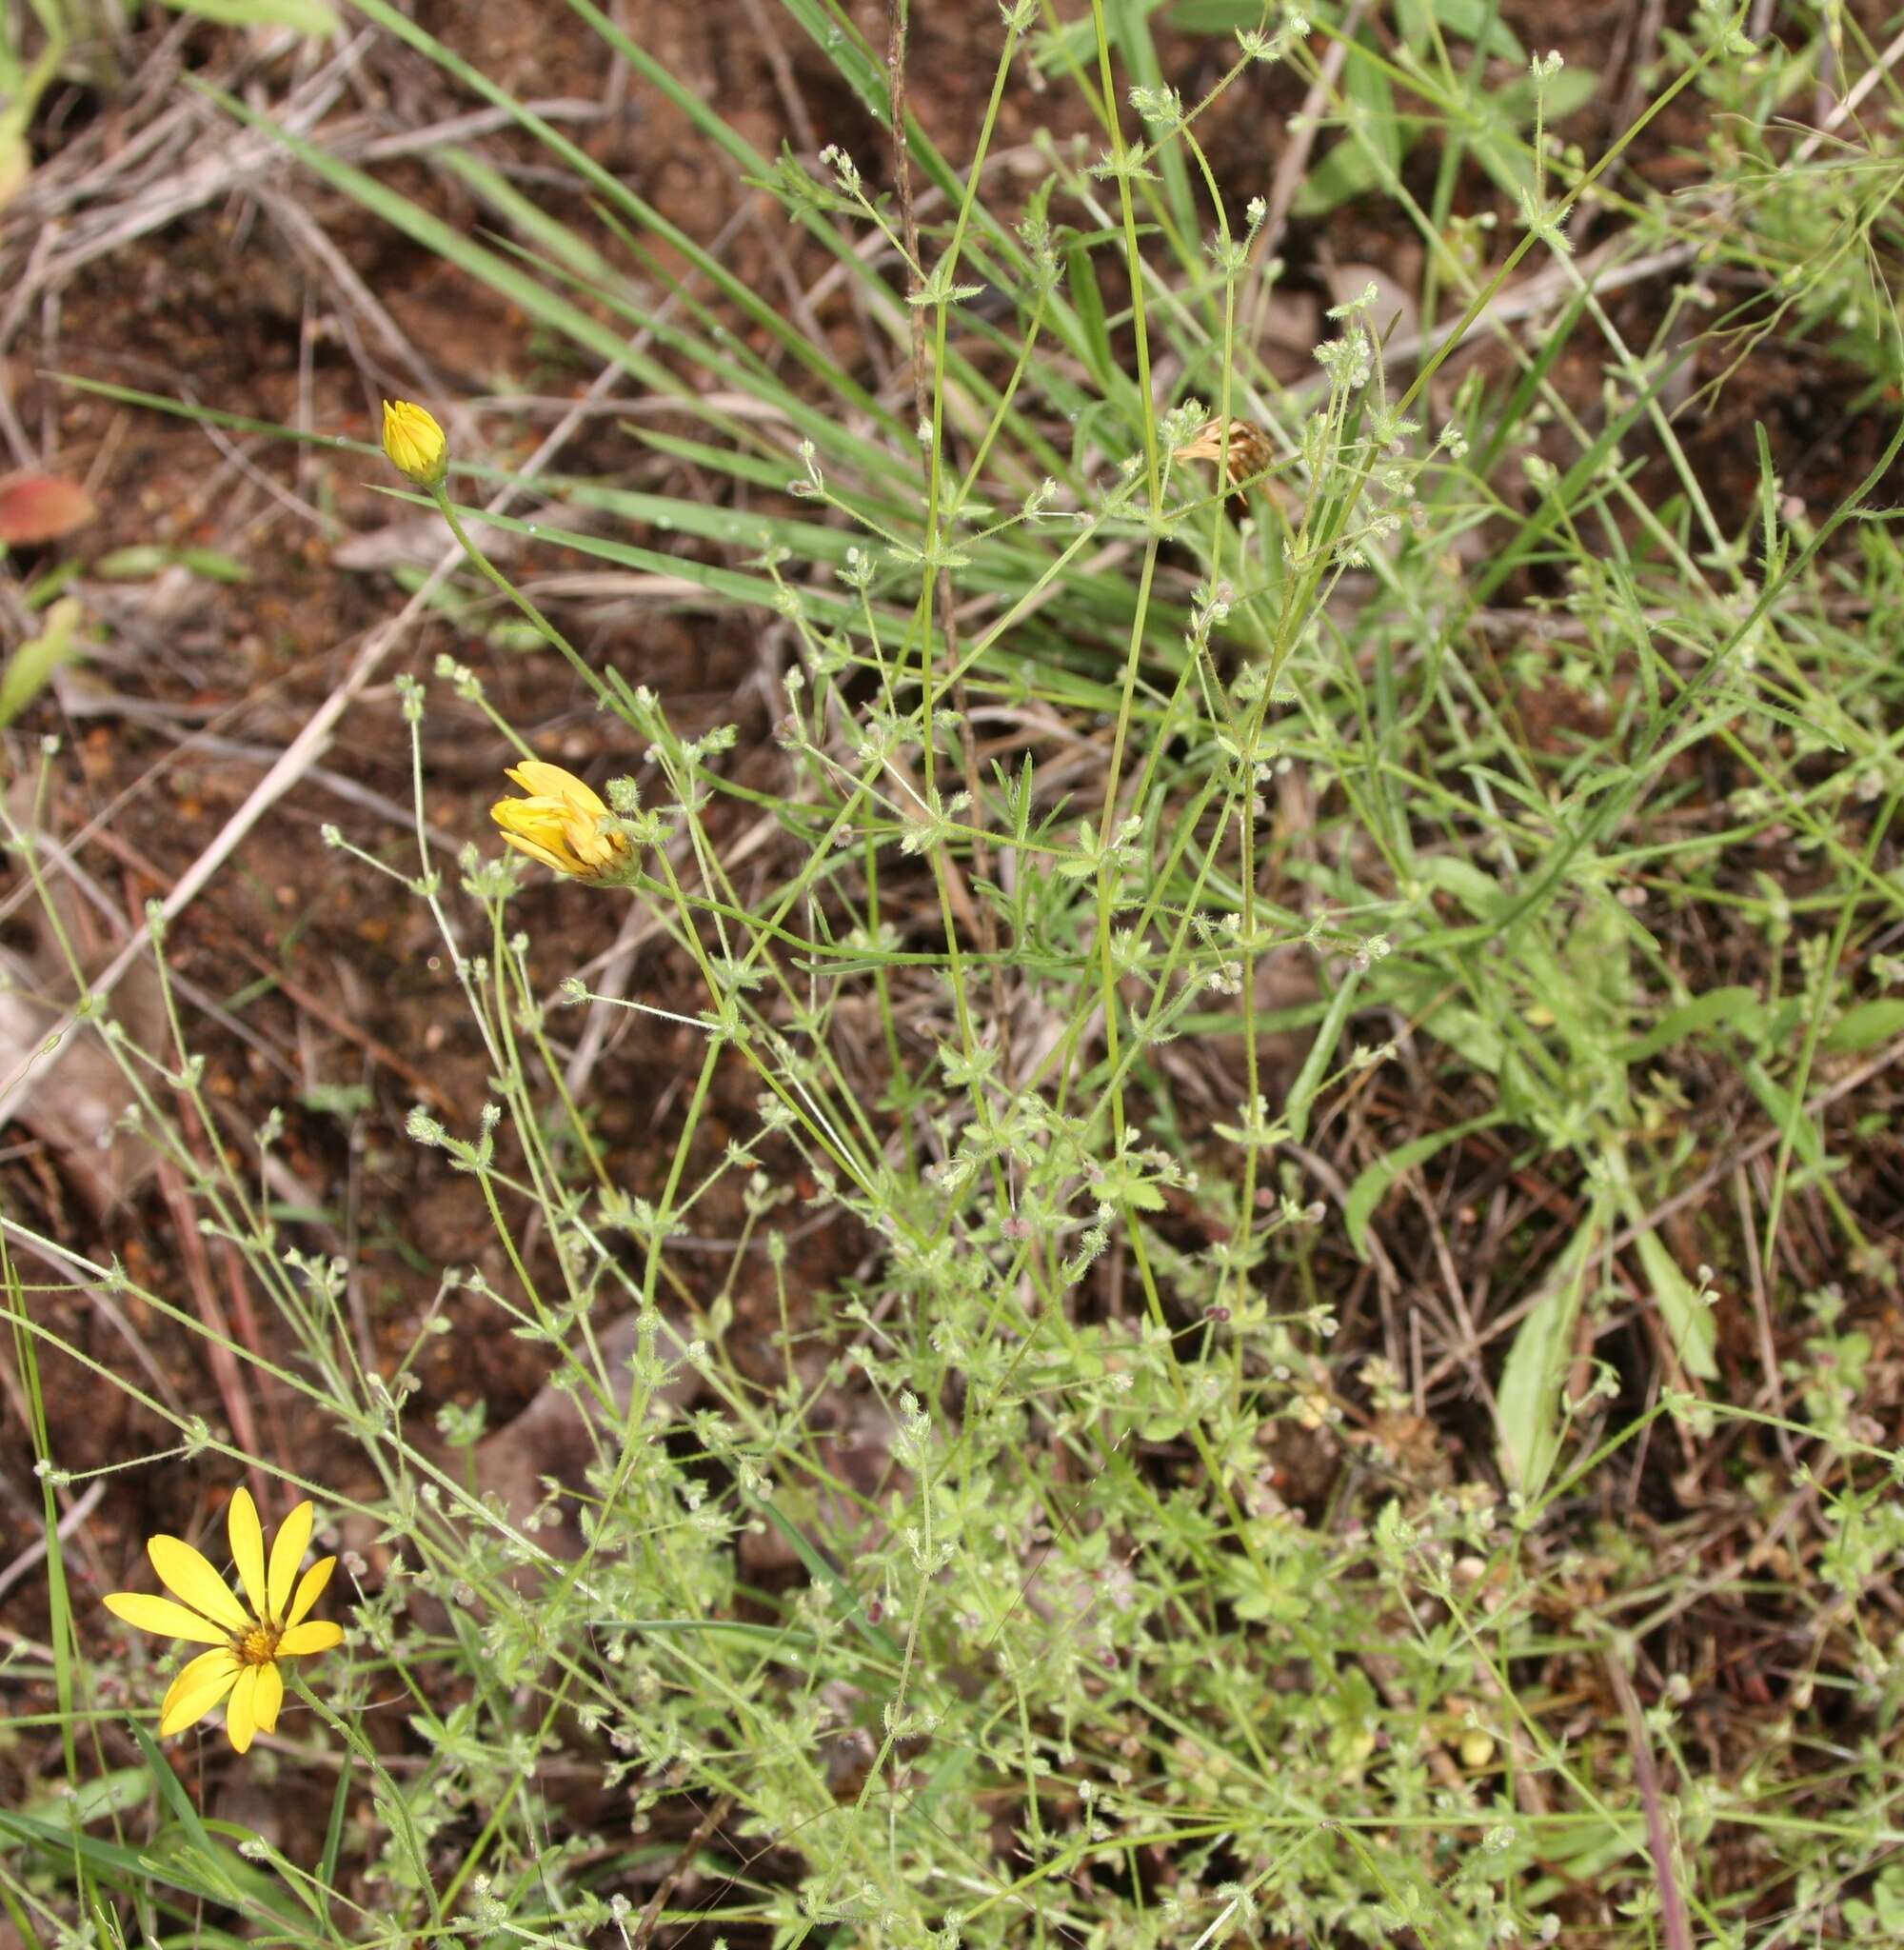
{"type": "Point", "coordinates": [562, 825]}
{"type": "Point", "coordinates": [415, 443]}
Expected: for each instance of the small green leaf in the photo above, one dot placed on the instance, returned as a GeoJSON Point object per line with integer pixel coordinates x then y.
{"type": "Point", "coordinates": [142, 559]}
{"type": "Point", "coordinates": [1691, 1323]}
{"type": "Point", "coordinates": [31, 668]}
{"type": "Point", "coordinates": [1865, 1024]}
{"type": "Point", "coordinates": [213, 565]}
{"type": "Point", "coordinates": [133, 564]}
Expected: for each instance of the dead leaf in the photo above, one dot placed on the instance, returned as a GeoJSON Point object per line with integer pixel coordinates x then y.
{"type": "Point", "coordinates": [551, 1439]}
{"type": "Point", "coordinates": [41, 508]}
{"type": "Point", "coordinates": [79, 1093]}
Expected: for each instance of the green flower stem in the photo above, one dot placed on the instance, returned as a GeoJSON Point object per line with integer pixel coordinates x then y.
{"type": "Point", "coordinates": [399, 1809]}
{"type": "Point", "coordinates": [543, 627]}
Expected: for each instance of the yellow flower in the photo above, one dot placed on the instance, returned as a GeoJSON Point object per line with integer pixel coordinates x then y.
{"type": "Point", "coordinates": [1245, 450]}
{"type": "Point", "coordinates": [247, 1644]}
{"type": "Point", "coordinates": [415, 443]}
{"type": "Point", "coordinates": [561, 824]}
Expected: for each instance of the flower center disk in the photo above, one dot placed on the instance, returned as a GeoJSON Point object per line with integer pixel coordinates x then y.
{"type": "Point", "coordinates": [259, 1646]}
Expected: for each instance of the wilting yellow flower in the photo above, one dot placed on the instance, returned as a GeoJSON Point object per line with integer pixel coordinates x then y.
{"type": "Point", "coordinates": [561, 824]}
{"type": "Point", "coordinates": [248, 1644]}
{"type": "Point", "coordinates": [1246, 451]}
{"type": "Point", "coordinates": [415, 443]}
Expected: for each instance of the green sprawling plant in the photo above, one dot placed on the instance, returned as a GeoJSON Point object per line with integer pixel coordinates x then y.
{"type": "Point", "coordinates": [1167, 778]}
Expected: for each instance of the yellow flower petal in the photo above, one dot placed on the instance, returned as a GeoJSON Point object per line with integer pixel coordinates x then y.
{"type": "Point", "coordinates": [310, 1588]}
{"type": "Point", "coordinates": [414, 443]}
{"type": "Point", "coordinates": [540, 855]}
{"type": "Point", "coordinates": [152, 1612]}
{"type": "Point", "coordinates": [597, 850]}
{"type": "Point", "coordinates": [197, 1689]}
{"type": "Point", "coordinates": [187, 1573]}
{"type": "Point", "coordinates": [528, 830]}
{"type": "Point", "coordinates": [542, 780]}
{"type": "Point", "coordinates": [271, 1696]}
{"type": "Point", "coordinates": [241, 1717]}
{"type": "Point", "coordinates": [564, 824]}
{"type": "Point", "coordinates": [247, 1547]}
{"type": "Point", "coordinates": [320, 1634]}
{"type": "Point", "coordinates": [287, 1549]}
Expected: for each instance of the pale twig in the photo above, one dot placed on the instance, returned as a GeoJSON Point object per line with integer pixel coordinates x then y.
{"type": "Point", "coordinates": [694, 1843]}
{"type": "Point", "coordinates": [237, 164]}
{"type": "Point", "coordinates": [36, 1551]}
{"type": "Point", "coordinates": [309, 238]}
{"type": "Point", "coordinates": [1851, 101]}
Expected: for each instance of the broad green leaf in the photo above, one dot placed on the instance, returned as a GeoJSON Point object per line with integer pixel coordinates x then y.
{"type": "Point", "coordinates": [1081, 277]}
{"type": "Point", "coordinates": [1479, 891]}
{"type": "Point", "coordinates": [1692, 1327]}
{"type": "Point", "coordinates": [115, 1793]}
{"type": "Point", "coordinates": [1469, 1036]}
{"type": "Point", "coordinates": [1477, 21]}
{"type": "Point", "coordinates": [1369, 150]}
{"type": "Point", "coordinates": [1322, 1051]}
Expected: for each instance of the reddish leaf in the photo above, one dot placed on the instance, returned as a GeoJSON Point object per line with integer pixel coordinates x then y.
{"type": "Point", "coordinates": [41, 508]}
